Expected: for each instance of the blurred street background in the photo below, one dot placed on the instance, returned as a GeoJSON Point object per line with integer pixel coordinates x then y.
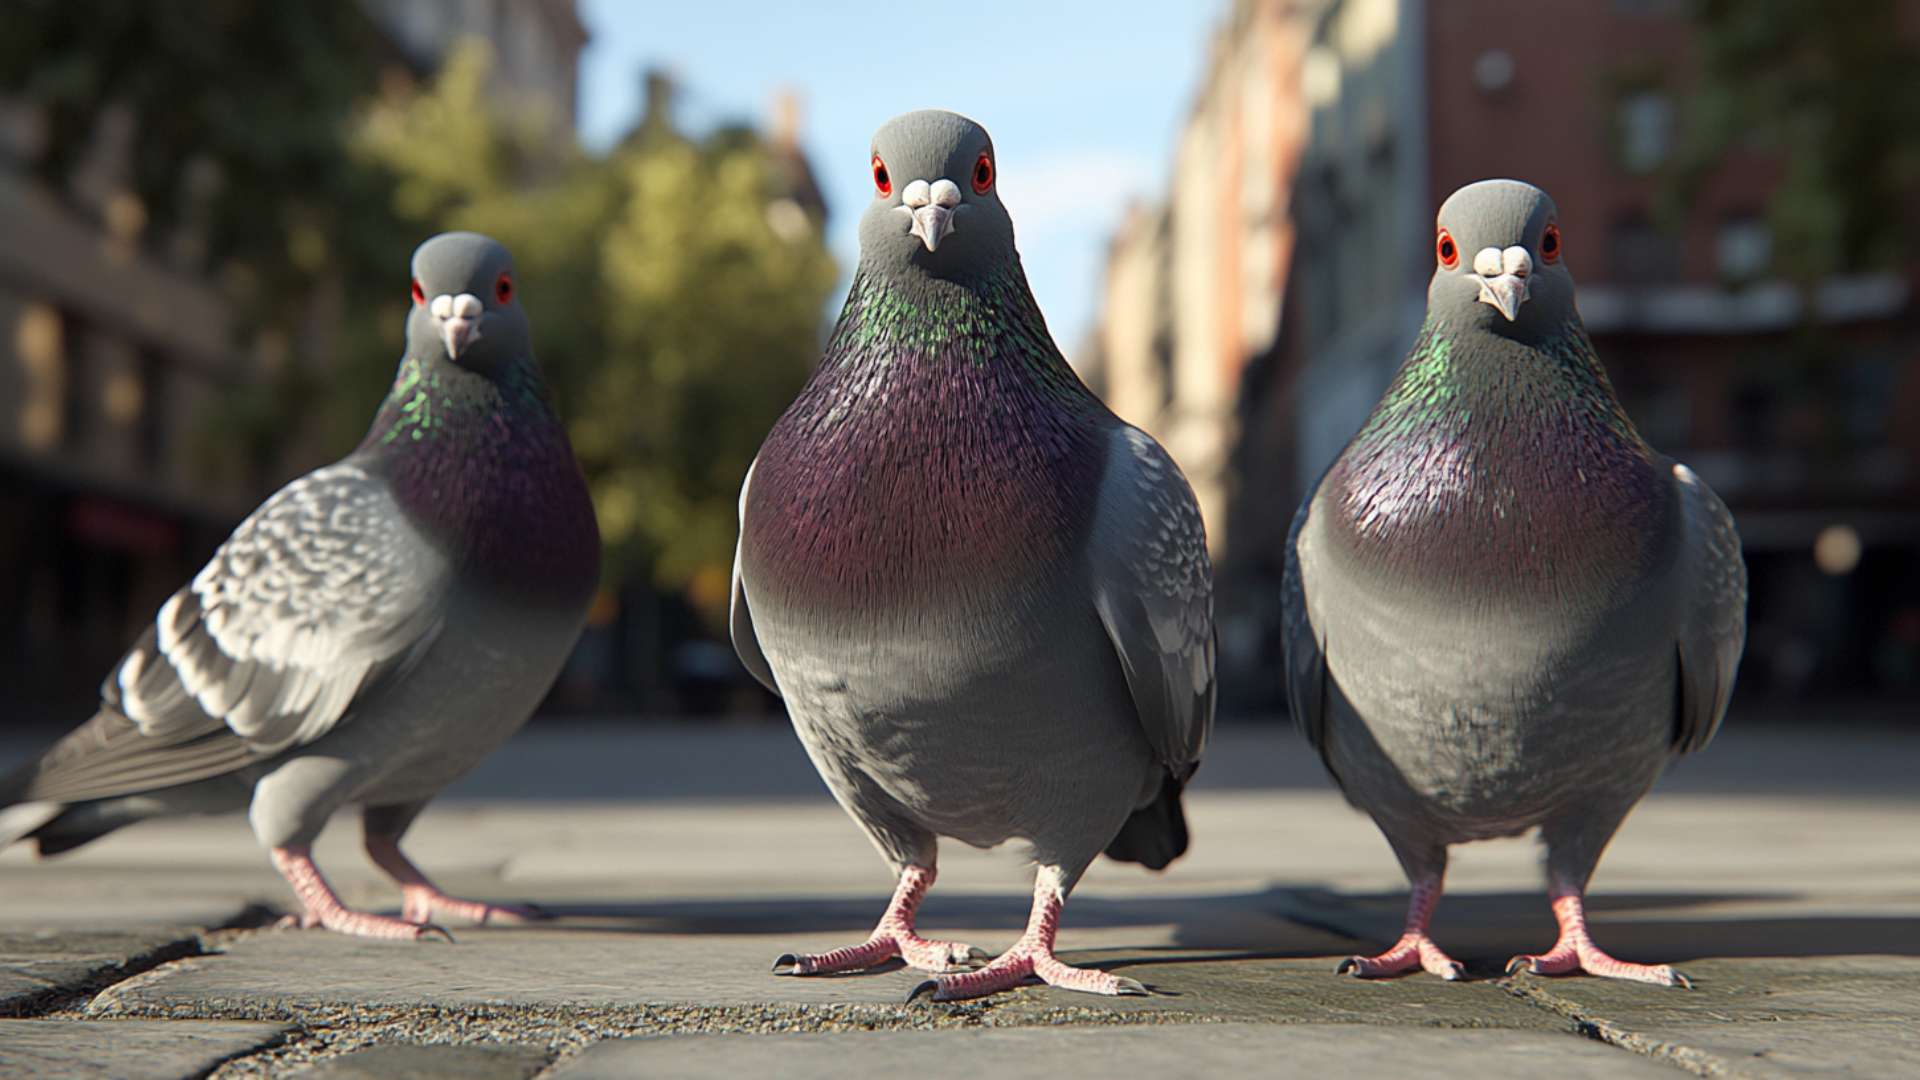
{"type": "Point", "coordinates": [1226, 209]}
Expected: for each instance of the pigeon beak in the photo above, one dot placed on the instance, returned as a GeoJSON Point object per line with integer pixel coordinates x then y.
{"type": "Point", "coordinates": [1506, 292]}
{"type": "Point", "coordinates": [931, 206]}
{"type": "Point", "coordinates": [1503, 278]}
{"type": "Point", "coordinates": [932, 224]}
{"type": "Point", "coordinates": [459, 321]}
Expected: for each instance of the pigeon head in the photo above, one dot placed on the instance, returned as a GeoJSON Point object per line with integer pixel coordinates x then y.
{"type": "Point", "coordinates": [1498, 261]}
{"type": "Point", "coordinates": [936, 198]}
{"type": "Point", "coordinates": [465, 306]}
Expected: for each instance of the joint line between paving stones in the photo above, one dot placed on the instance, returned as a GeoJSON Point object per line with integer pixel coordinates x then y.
{"type": "Point", "coordinates": [76, 996]}
{"type": "Point", "coordinates": [1599, 1029]}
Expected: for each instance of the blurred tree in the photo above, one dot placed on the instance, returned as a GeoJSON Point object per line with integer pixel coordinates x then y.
{"type": "Point", "coordinates": [676, 287]}
{"type": "Point", "coordinates": [676, 291]}
{"type": "Point", "coordinates": [238, 115]}
{"type": "Point", "coordinates": [1833, 91]}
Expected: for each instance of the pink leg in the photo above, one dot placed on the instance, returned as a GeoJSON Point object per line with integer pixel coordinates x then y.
{"type": "Point", "coordinates": [323, 906]}
{"type": "Point", "coordinates": [1414, 949]}
{"type": "Point", "coordinates": [894, 936]}
{"type": "Point", "coordinates": [1031, 955]}
{"type": "Point", "coordinates": [423, 900]}
{"type": "Point", "coordinates": [1575, 951]}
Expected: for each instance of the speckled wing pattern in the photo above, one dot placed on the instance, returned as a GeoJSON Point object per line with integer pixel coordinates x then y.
{"type": "Point", "coordinates": [739, 617]}
{"type": "Point", "coordinates": [1713, 626]}
{"type": "Point", "coordinates": [318, 595]}
{"type": "Point", "coordinates": [1153, 587]}
{"type": "Point", "coordinates": [1306, 661]}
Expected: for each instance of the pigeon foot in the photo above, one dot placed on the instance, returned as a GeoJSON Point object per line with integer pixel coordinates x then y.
{"type": "Point", "coordinates": [1566, 961]}
{"type": "Point", "coordinates": [1576, 952]}
{"type": "Point", "coordinates": [920, 953]}
{"type": "Point", "coordinates": [1031, 957]}
{"type": "Point", "coordinates": [324, 909]}
{"type": "Point", "coordinates": [422, 899]}
{"type": "Point", "coordinates": [423, 902]}
{"type": "Point", "coordinates": [1411, 952]}
{"type": "Point", "coordinates": [894, 936]}
{"type": "Point", "coordinates": [1016, 967]}
{"type": "Point", "coordinates": [1414, 949]}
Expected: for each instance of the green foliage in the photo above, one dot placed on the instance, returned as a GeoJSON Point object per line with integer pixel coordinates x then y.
{"type": "Point", "coordinates": [676, 294]}
{"type": "Point", "coordinates": [251, 99]}
{"type": "Point", "coordinates": [1832, 90]}
{"type": "Point", "coordinates": [676, 303]}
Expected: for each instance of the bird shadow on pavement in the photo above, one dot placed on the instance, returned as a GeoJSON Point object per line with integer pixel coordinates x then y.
{"type": "Point", "coordinates": [1481, 929]}
{"type": "Point", "coordinates": [1646, 927]}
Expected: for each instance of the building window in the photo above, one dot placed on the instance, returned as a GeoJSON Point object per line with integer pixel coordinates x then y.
{"type": "Point", "coordinates": [1645, 120]}
{"type": "Point", "coordinates": [1640, 253]}
{"type": "Point", "coordinates": [1743, 248]}
{"type": "Point", "coordinates": [76, 419]}
{"type": "Point", "coordinates": [153, 417]}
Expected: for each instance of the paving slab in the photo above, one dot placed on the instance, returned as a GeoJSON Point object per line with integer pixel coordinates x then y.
{"type": "Point", "coordinates": [125, 1049]}
{"type": "Point", "coordinates": [1856, 1015]}
{"type": "Point", "coordinates": [588, 970]}
{"type": "Point", "coordinates": [37, 969]}
{"type": "Point", "coordinates": [417, 1062]}
{"type": "Point", "coordinates": [1186, 1050]}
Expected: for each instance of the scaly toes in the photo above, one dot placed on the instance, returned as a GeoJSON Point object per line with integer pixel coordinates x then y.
{"type": "Point", "coordinates": [1599, 965]}
{"type": "Point", "coordinates": [421, 908]}
{"type": "Point", "coordinates": [1406, 955]}
{"type": "Point", "coordinates": [941, 956]}
{"type": "Point", "coordinates": [1378, 967]}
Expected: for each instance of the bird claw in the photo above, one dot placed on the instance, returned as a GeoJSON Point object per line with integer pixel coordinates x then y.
{"type": "Point", "coordinates": [1520, 963]}
{"type": "Point", "coordinates": [1681, 981]}
{"type": "Point", "coordinates": [1124, 987]}
{"type": "Point", "coordinates": [928, 990]}
{"type": "Point", "coordinates": [788, 961]}
{"type": "Point", "coordinates": [427, 930]}
{"type": "Point", "coordinates": [1351, 963]}
{"type": "Point", "coordinates": [977, 955]}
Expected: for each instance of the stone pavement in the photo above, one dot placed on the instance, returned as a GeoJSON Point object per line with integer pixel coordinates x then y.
{"type": "Point", "coordinates": [1780, 870]}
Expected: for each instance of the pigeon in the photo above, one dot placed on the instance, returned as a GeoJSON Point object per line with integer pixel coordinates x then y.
{"type": "Point", "coordinates": [984, 599]}
{"type": "Point", "coordinates": [1502, 609]}
{"type": "Point", "coordinates": [369, 633]}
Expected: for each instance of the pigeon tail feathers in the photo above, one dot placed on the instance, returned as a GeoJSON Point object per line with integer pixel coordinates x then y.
{"type": "Point", "coordinates": [1156, 834]}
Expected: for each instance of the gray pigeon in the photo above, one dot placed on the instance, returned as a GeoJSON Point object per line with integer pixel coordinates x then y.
{"type": "Point", "coordinates": [367, 635]}
{"type": "Point", "coordinates": [1503, 609]}
{"type": "Point", "coordinates": [985, 599]}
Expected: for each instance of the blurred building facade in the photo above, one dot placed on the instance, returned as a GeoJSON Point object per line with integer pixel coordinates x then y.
{"type": "Point", "coordinates": [1390, 108]}
{"type": "Point", "coordinates": [115, 350]}
{"type": "Point", "coordinates": [1191, 297]}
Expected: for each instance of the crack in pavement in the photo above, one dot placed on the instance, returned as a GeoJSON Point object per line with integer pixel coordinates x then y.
{"type": "Point", "coordinates": [74, 996]}
{"type": "Point", "coordinates": [1693, 1060]}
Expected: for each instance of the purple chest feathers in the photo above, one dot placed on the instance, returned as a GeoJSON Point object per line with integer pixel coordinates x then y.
{"type": "Point", "coordinates": [920, 479]}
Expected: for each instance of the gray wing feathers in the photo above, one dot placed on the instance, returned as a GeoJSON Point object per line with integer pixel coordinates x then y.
{"type": "Point", "coordinates": [108, 756]}
{"type": "Point", "coordinates": [323, 591]}
{"type": "Point", "coordinates": [739, 616]}
{"type": "Point", "coordinates": [1713, 616]}
{"type": "Point", "coordinates": [1153, 588]}
{"type": "Point", "coordinates": [1306, 661]}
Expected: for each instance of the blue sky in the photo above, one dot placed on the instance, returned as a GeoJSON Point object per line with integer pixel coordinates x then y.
{"type": "Point", "coordinates": [1084, 100]}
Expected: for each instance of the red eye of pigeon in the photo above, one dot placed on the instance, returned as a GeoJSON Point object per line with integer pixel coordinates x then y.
{"type": "Point", "coordinates": [1446, 250]}
{"type": "Point", "coordinates": [503, 287]}
{"type": "Point", "coordinates": [419, 294]}
{"type": "Point", "coordinates": [1550, 245]}
{"type": "Point", "coordinates": [882, 183]}
{"type": "Point", "coordinates": [982, 175]}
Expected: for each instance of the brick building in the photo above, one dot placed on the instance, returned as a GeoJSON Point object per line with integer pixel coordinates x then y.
{"type": "Point", "coordinates": [1399, 102]}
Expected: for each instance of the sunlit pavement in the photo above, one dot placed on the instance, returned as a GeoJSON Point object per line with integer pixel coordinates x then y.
{"type": "Point", "coordinates": [1780, 870]}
